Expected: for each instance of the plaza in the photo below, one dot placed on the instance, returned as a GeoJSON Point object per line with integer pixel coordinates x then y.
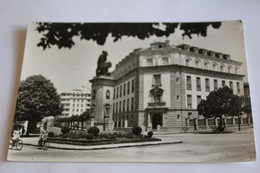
{"type": "Point", "coordinates": [196, 147]}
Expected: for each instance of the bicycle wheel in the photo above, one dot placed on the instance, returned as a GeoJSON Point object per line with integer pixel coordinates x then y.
{"type": "Point", "coordinates": [19, 144]}
{"type": "Point", "coordinates": [46, 145]}
{"type": "Point", "coordinates": [11, 144]}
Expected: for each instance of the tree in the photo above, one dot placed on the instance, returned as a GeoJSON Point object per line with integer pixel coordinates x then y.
{"type": "Point", "coordinates": [37, 98]}
{"type": "Point", "coordinates": [61, 34]}
{"type": "Point", "coordinates": [221, 102]}
{"type": "Point", "coordinates": [84, 117]}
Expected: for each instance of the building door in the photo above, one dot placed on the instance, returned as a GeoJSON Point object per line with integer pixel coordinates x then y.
{"type": "Point", "coordinates": [156, 120]}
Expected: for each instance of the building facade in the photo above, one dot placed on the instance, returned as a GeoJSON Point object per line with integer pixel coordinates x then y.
{"type": "Point", "coordinates": [75, 102]}
{"type": "Point", "coordinates": [159, 88]}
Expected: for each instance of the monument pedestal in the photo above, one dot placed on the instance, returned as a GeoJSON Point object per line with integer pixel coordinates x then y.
{"type": "Point", "coordinates": [102, 102]}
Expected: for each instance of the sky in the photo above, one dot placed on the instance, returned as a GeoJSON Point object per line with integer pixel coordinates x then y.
{"type": "Point", "coordinates": [73, 68]}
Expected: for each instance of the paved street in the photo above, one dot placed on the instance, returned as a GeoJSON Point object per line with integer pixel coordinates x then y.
{"type": "Point", "coordinates": [238, 146]}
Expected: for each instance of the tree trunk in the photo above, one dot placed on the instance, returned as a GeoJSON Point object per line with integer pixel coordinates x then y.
{"type": "Point", "coordinates": [239, 123]}
{"type": "Point", "coordinates": [31, 127]}
{"type": "Point", "coordinates": [220, 127]}
{"type": "Point", "coordinates": [82, 125]}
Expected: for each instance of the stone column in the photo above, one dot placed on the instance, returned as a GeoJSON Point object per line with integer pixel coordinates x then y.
{"type": "Point", "coordinates": [249, 120]}
{"type": "Point", "coordinates": [234, 121]}
{"type": "Point", "coordinates": [207, 123]}
{"type": "Point", "coordinates": [216, 121]}
{"type": "Point", "coordinates": [126, 123]}
{"type": "Point", "coordinates": [188, 122]}
{"type": "Point", "coordinates": [241, 121]}
{"type": "Point", "coordinates": [148, 121]}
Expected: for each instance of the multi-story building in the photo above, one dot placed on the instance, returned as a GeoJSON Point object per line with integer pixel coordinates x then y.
{"type": "Point", "coordinates": [161, 86]}
{"type": "Point", "coordinates": [75, 102]}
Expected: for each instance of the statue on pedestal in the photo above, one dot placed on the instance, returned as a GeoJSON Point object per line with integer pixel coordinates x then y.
{"type": "Point", "coordinates": [102, 65]}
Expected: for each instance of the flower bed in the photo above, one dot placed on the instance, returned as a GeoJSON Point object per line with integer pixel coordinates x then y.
{"type": "Point", "coordinates": [85, 139]}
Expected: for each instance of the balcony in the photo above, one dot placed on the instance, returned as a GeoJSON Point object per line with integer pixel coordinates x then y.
{"type": "Point", "coordinates": [156, 104]}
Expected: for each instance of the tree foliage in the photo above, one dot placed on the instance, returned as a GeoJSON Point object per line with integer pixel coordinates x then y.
{"type": "Point", "coordinates": [37, 98]}
{"type": "Point", "coordinates": [61, 34]}
{"type": "Point", "coordinates": [221, 102]}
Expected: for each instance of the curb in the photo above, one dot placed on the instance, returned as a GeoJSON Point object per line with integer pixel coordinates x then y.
{"type": "Point", "coordinates": [109, 147]}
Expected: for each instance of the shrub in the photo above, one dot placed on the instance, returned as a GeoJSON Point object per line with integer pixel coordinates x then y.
{"type": "Point", "coordinates": [150, 134]}
{"type": "Point", "coordinates": [65, 135]}
{"type": "Point", "coordinates": [89, 136]}
{"type": "Point", "coordinates": [94, 130]}
{"type": "Point", "coordinates": [137, 130]}
{"type": "Point", "coordinates": [51, 134]}
{"type": "Point", "coordinates": [36, 131]}
{"type": "Point", "coordinates": [65, 130]}
{"type": "Point", "coordinates": [77, 134]}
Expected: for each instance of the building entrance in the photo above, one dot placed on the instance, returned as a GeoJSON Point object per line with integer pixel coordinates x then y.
{"type": "Point", "coordinates": [156, 120]}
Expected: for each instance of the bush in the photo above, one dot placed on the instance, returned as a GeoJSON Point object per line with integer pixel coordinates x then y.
{"type": "Point", "coordinates": [77, 134]}
{"type": "Point", "coordinates": [65, 130]}
{"type": "Point", "coordinates": [137, 130]}
{"type": "Point", "coordinates": [51, 134]}
{"type": "Point", "coordinates": [94, 130]}
{"type": "Point", "coordinates": [36, 131]}
{"type": "Point", "coordinates": [89, 136]}
{"type": "Point", "coordinates": [150, 134]}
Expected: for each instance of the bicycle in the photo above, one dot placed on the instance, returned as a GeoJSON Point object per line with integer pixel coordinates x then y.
{"type": "Point", "coordinates": [44, 145]}
{"type": "Point", "coordinates": [17, 143]}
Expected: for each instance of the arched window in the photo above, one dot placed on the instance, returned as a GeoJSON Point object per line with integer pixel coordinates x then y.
{"type": "Point", "coordinates": [188, 62]}
{"type": "Point", "coordinates": [215, 67]}
{"type": "Point", "coordinates": [165, 61]}
{"type": "Point", "coordinates": [197, 63]}
{"type": "Point", "coordinates": [149, 62]}
{"type": "Point", "coordinates": [222, 68]}
{"type": "Point", "coordinates": [229, 69]}
{"type": "Point", "coordinates": [206, 65]}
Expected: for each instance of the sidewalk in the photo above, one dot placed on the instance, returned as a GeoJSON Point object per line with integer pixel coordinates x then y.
{"type": "Point", "coordinates": [32, 141]}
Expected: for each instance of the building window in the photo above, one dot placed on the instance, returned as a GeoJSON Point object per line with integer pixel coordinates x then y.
{"type": "Point", "coordinates": [108, 94]}
{"type": "Point", "coordinates": [215, 84]}
{"type": "Point", "coordinates": [120, 93]}
{"type": "Point", "coordinates": [178, 98]}
{"type": "Point", "coordinates": [133, 85]}
{"type": "Point", "coordinates": [177, 80]}
{"type": "Point", "coordinates": [132, 118]}
{"type": "Point", "coordinates": [117, 91]}
{"type": "Point", "coordinates": [207, 87]}
{"type": "Point", "coordinates": [187, 62]}
{"type": "Point", "coordinates": [123, 105]}
{"type": "Point", "coordinates": [149, 62]}
{"type": "Point", "coordinates": [157, 80]}
{"type": "Point", "coordinates": [114, 93]}
{"type": "Point", "coordinates": [222, 68]}
{"type": "Point", "coordinates": [198, 84]}
{"type": "Point", "coordinates": [124, 89]}
{"type": "Point", "coordinates": [197, 64]}
{"type": "Point", "coordinates": [229, 69]}
{"type": "Point", "coordinates": [178, 117]}
{"type": "Point", "coordinates": [198, 99]}
{"type": "Point", "coordinates": [214, 67]}
{"type": "Point", "coordinates": [120, 106]}
{"type": "Point", "coordinates": [189, 101]}
{"type": "Point", "coordinates": [113, 107]}
{"type": "Point", "coordinates": [116, 107]}
{"type": "Point", "coordinates": [127, 105]}
{"type": "Point", "coordinates": [188, 81]}
{"type": "Point", "coordinates": [128, 87]}
{"type": "Point", "coordinates": [223, 83]}
{"type": "Point", "coordinates": [206, 65]}
{"type": "Point", "coordinates": [132, 103]}
{"type": "Point", "coordinates": [231, 85]}
{"type": "Point", "coordinates": [238, 88]}
{"type": "Point", "coordinates": [165, 61]}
